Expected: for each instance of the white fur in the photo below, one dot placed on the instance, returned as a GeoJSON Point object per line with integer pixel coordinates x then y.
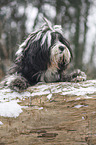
{"type": "Point", "coordinates": [56, 54]}
{"type": "Point", "coordinates": [19, 51]}
{"type": "Point", "coordinates": [8, 79]}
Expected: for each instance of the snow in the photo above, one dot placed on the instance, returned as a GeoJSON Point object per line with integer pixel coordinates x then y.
{"type": "Point", "coordinates": [83, 118]}
{"type": "Point", "coordinates": [9, 106]}
{"type": "Point", "coordinates": [79, 91]}
{"type": "Point", "coordinates": [10, 109]}
{"type": "Point", "coordinates": [79, 106]}
{"type": "Point", "coordinates": [40, 93]}
{"type": "Point", "coordinates": [66, 88]}
{"type": "Point", "coordinates": [1, 123]}
{"type": "Point", "coordinates": [49, 96]}
{"type": "Point", "coordinates": [38, 108]}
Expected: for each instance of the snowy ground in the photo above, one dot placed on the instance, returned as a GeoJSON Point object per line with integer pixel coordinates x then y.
{"type": "Point", "coordinates": [9, 106]}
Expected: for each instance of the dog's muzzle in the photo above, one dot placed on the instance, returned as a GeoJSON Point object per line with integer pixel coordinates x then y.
{"type": "Point", "coordinates": [60, 55]}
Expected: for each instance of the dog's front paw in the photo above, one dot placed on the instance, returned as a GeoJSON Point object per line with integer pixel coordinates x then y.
{"type": "Point", "coordinates": [78, 76]}
{"type": "Point", "coordinates": [18, 84]}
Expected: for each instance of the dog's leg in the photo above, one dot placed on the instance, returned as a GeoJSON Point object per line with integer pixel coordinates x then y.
{"type": "Point", "coordinates": [51, 75]}
{"type": "Point", "coordinates": [16, 82]}
{"type": "Point", "coordinates": [19, 84]}
{"type": "Point", "coordinates": [75, 76]}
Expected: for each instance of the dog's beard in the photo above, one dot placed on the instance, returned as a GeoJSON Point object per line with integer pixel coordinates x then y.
{"type": "Point", "coordinates": [60, 56]}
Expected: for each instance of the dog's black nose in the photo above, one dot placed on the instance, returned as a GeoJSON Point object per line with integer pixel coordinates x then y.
{"type": "Point", "coordinates": [61, 48]}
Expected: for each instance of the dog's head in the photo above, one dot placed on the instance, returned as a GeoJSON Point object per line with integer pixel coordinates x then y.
{"type": "Point", "coordinates": [44, 48]}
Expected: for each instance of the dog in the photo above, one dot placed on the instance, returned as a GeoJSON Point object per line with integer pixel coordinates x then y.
{"type": "Point", "coordinates": [42, 57]}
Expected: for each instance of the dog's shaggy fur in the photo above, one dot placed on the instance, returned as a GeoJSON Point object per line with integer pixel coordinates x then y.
{"type": "Point", "coordinates": [42, 57]}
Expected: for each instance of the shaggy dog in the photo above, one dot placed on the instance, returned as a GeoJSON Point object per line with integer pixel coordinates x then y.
{"type": "Point", "coordinates": [43, 57]}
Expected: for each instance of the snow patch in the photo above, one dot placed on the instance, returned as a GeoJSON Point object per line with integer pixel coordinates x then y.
{"type": "Point", "coordinates": [1, 123]}
{"type": "Point", "coordinates": [49, 96]}
{"type": "Point", "coordinates": [79, 106]}
{"type": "Point", "coordinates": [10, 109]}
{"type": "Point", "coordinates": [38, 108]}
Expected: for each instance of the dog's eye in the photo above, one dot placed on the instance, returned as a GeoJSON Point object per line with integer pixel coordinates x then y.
{"type": "Point", "coordinates": [61, 48]}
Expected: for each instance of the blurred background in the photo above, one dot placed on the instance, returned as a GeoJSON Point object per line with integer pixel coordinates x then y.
{"type": "Point", "coordinates": [18, 18]}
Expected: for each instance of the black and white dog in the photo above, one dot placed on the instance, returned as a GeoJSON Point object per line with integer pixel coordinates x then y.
{"type": "Point", "coordinates": [43, 57]}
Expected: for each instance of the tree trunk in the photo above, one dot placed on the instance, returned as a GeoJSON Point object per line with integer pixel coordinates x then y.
{"type": "Point", "coordinates": [76, 50]}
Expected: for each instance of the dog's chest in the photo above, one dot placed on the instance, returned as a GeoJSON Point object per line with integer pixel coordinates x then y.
{"type": "Point", "coordinates": [50, 75]}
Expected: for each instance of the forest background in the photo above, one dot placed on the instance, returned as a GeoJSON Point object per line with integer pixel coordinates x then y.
{"type": "Point", "coordinates": [18, 18]}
